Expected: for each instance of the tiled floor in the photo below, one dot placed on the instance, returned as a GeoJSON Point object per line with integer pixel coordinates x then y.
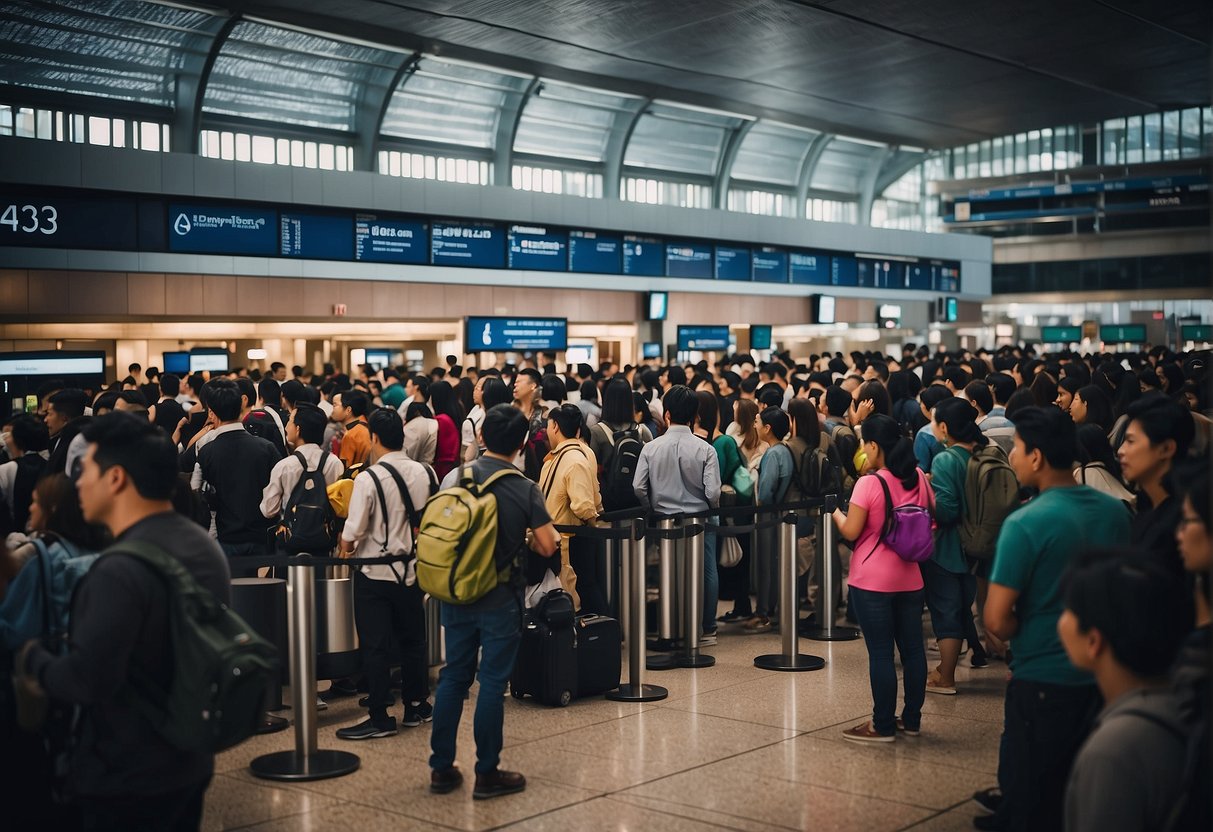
{"type": "Point", "coordinates": [733, 747]}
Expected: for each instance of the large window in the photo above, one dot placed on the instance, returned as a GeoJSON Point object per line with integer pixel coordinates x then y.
{"type": "Point", "coordinates": [1174, 134]}
{"type": "Point", "coordinates": [429, 166]}
{"type": "Point", "coordinates": [268, 150]}
{"type": "Point", "coordinates": [557, 181]}
{"type": "Point", "coordinates": [766, 203]}
{"type": "Point", "coordinates": [102, 130]}
{"type": "Point", "coordinates": [831, 210]}
{"type": "Point", "coordinates": [661, 192]}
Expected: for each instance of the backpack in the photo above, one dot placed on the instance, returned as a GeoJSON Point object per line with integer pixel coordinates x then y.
{"type": "Point", "coordinates": [30, 467]}
{"type": "Point", "coordinates": [1192, 809]}
{"type": "Point", "coordinates": [308, 523]}
{"type": "Point", "coordinates": [457, 543]}
{"type": "Point", "coordinates": [39, 598]}
{"type": "Point", "coordinates": [991, 493]}
{"type": "Point", "coordinates": [846, 443]}
{"type": "Point", "coordinates": [220, 665]}
{"type": "Point", "coordinates": [414, 518]}
{"type": "Point", "coordinates": [907, 528]}
{"type": "Point", "coordinates": [816, 473]}
{"type": "Point", "coordinates": [620, 469]}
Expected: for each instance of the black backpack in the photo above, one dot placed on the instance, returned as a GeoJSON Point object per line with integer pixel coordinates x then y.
{"type": "Point", "coordinates": [30, 468]}
{"type": "Point", "coordinates": [845, 444]}
{"type": "Point", "coordinates": [816, 473]}
{"type": "Point", "coordinates": [308, 522]}
{"type": "Point", "coordinates": [619, 470]}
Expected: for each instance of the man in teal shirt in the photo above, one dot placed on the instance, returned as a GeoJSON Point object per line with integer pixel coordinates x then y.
{"type": "Point", "coordinates": [393, 394]}
{"type": "Point", "coordinates": [1049, 702]}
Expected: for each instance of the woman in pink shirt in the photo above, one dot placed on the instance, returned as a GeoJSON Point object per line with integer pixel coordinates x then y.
{"type": "Point", "coordinates": [886, 592]}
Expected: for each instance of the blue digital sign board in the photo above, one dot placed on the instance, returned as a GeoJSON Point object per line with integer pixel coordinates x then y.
{"type": "Point", "coordinates": [770, 265]}
{"type": "Point", "coordinates": [947, 276]}
{"type": "Point", "coordinates": [703, 338]}
{"type": "Point", "coordinates": [688, 260]}
{"type": "Point", "coordinates": [732, 263]}
{"type": "Point", "coordinates": [919, 276]}
{"type": "Point", "coordinates": [595, 252]}
{"type": "Point", "coordinates": [41, 219]}
{"type": "Point", "coordinates": [316, 236]}
{"type": "Point", "coordinates": [540, 249]}
{"type": "Point", "coordinates": [809, 268]}
{"type": "Point", "coordinates": [222, 229]}
{"type": "Point", "coordinates": [844, 271]}
{"type": "Point", "coordinates": [383, 240]}
{"type": "Point", "coordinates": [880, 274]}
{"type": "Point", "coordinates": [476, 244]}
{"type": "Point", "coordinates": [511, 334]}
{"type": "Point", "coordinates": [643, 256]}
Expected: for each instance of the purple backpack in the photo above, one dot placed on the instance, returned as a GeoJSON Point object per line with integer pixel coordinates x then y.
{"type": "Point", "coordinates": [907, 529]}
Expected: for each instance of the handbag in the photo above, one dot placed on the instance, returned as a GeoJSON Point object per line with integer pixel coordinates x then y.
{"type": "Point", "coordinates": [743, 482]}
{"type": "Point", "coordinates": [908, 529]}
{"type": "Point", "coordinates": [728, 551]}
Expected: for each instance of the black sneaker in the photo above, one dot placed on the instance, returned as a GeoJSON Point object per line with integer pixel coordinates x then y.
{"type": "Point", "coordinates": [978, 660]}
{"type": "Point", "coordinates": [414, 715]}
{"type": "Point", "coordinates": [446, 780]}
{"type": "Point", "coordinates": [988, 799]}
{"type": "Point", "coordinates": [497, 783]}
{"type": "Point", "coordinates": [369, 730]}
{"type": "Point", "coordinates": [734, 617]}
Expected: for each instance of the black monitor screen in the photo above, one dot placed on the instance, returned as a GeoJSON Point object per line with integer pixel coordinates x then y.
{"type": "Point", "coordinates": [177, 363]}
{"type": "Point", "coordinates": [652, 349]}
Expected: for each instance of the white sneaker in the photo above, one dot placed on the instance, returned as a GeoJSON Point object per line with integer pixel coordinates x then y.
{"type": "Point", "coordinates": [321, 705]}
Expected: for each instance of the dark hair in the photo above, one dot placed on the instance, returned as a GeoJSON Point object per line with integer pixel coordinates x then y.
{"type": "Point", "coordinates": [196, 382]}
{"type": "Point", "coordinates": [837, 401]}
{"type": "Point", "coordinates": [293, 391]}
{"type": "Point", "coordinates": [311, 422]}
{"type": "Point", "coordinates": [170, 385]}
{"type": "Point", "coordinates": [1044, 390]}
{"type": "Point", "coordinates": [961, 419]}
{"type": "Point", "coordinates": [1019, 401]}
{"type": "Point", "coordinates": [385, 423]}
{"type": "Point", "coordinates": [417, 410]}
{"type": "Point", "coordinates": [504, 429]}
{"type": "Point", "coordinates": [493, 392]}
{"type": "Point", "coordinates": [675, 375]}
{"type": "Point", "coordinates": [1092, 446]}
{"type": "Point", "coordinates": [422, 383]}
{"type": "Point", "coordinates": [1078, 371]}
{"type": "Point", "coordinates": [356, 401]}
{"type": "Point", "coordinates": [881, 368]}
{"type": "Point", "coordinates": [138, 447]}
{"type": "Point", "coordinates": [568, 418]}
{"type": "Point", "coordinates": [932, 395]}
{"type": "Point", "coordinates": [29, 433]}
{"type": "Point", "coordinates": [1162, 418]}
{"type": "Point", "coordinates": [639, 405]}
{"type": "Point", "coordinates": [247, 389]}
{"type": "Point", "coordinates": [1128, 391]}
{"type": "Point", "coordinates": [1132, 602]}
{"type": "Point", "coordinates": [878, 395]}
{"type": "Point", "coordinates": [464, 394]}
{"type": "Point", "coordinates": [777, 421]}
{"type": "Point", "coordinates": [60, 506]}
{"type": "Point", "coordinates": [223, 399]}
{"type": "Point", "coordinates": [978, 392]}
{"type": "Point", "coordinates": [808, 427]}
{"type": "Point", "coordinates": [1050, 430]}
{"type": "Point", "coordinates": [69, 403]}
{"type": "Point", "coordinates": [443, 400]}
{"type": "Point", "coordinates": [532, 374]}
{"type": "Point", "coordinates": [1002, 386]}
{"type": "Point", "coordinates": [1071, 384]}
{"type": "Point", "coordinates": [270, 391]}
{"type": "Point", "coordinates": [680, 404]}
{"type": "Point", "coordinates": [771, 397]}
{"type": "Point", "coordinates": [708, 415]}
{"type": "Point", "coordinates": [552, 388]}
{"type": "Point", "coordinates": [898, 450]}
{"type": "Point", "coordinates": [134, 397]}
{"type": "Point", "coordinates": [589, 391]}
{"type": "Point", "coordinates": [957, 375]}
{"type": "Point", "coordinates": [262, 425]}
{"type": "Point", "coordinates": [1099, 406]}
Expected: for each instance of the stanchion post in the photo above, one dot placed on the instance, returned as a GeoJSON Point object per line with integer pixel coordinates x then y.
{"type": "Point", "coordinates": [827, 608]}
{"type": "Point", "coordinates": [305, 761]}
{"type": "Point", "coordinates": [790, 659]}
{"type": "Point", "coordinates": [665, 582]}
{"type": "Point", "coordinates": [635, 690]}
{"type": "Point", "coordinates": [693, 547]}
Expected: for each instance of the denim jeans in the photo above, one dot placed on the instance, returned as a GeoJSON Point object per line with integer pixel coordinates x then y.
{"type": "Point", "coordinates": [950, 600]}
{"type": "Point", "coordinates": [711, 579]}
{"type": "Point", "coordinates": [495, 632]}
{"type": "Point", "coordinates": [887, 618]}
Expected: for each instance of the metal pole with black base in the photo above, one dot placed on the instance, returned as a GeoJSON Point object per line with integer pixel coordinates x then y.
{"type": "Point", "coordinates": [693, 596]}
{"type": "Point", "coordinates": [790, 659]}
{"type": "Point", "coordinates": [666, 588]}
{"type": "Point", "coordinates": [306, 761]}
{"type": "Point", "coordinates": [632, 552]}
{"type": "Point", "coordinates": [827, 537]}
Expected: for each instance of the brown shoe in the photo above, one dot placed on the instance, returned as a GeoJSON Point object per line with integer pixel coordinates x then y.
{"type": "Point", "coordinates": [444, 780]}
{"type": "Point", "coordinates": [496, 783]}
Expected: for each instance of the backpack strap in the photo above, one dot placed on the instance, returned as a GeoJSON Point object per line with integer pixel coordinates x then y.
{"type": "Point", "coordinates": [413, 515]}
{"type": "Point", "coordinates": [42, 554]}
{"type": "Point", "coordinates": [560, 455]}
{"type": "Point", "coordinates": [383, 510]}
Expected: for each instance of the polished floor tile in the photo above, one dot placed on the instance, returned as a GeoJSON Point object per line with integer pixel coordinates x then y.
{"type": "Point", "coordinates": [234, 803]}
{"type": "Point", "coordinates": [611, 815]}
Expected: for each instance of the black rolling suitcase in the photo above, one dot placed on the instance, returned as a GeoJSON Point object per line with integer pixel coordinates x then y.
{"type": "Point", "coordinates": [546, 667]}
{"type": "Point", "coordinates": [599, 643]}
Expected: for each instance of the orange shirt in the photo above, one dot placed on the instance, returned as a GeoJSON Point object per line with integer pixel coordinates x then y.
{"type": "Point", "coordinates": [355, 445]}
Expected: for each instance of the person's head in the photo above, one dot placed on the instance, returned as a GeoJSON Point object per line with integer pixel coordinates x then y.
{"type": "Point", "coordinates": [248, 392]}
{"type": "Point", "coordinates": [681, 409]}
{"type": "Point", "coordinates": [1044, 444]}
{"type": "Point", "coordinates": [129, 463]}
{"type": "Point", "coordinates": [55, 509]}
{"type": "Point", "coordinates": [1002, 386]}
{"type": "Point", "coordinates": [1093, 448]}
{"type": "Point", "coordinates": [1090, 404]}
{"type": "Point", "coordinates": [552, 388]}
{"type": "Point", "coordinates": [1121, 613]}
{"type": "Point", "coordinates": [1128, 391]}
{"type": "Point", "coordinates": [134, 370]}
{"type": "Point", "coordinates": [493, 392]}
{"type": "Point", "coordinates": [1158, 435]}
{"type": "Point", "coordinates": [417, 410]}
{"type": "Point", "coordinates": [775, 425]}
{"type": "Point", "coordinates": [640, 409]}
{"type": "Point", "coordinates": [589, 391]}
{"type": "Point", "coordinates": [63, 407]}
{"type": "Point", "coordinates": [931, 396]}
{"type": "Point", "coordinates": [745, 414]}
{"type": "Point", "coordinates": [1193, 532]}
{"type": "Point", "coordinates": [349, 405]}
{"type": "Point", "coordinates": [526, 383]}
{"type": "Point", "coordinates": [564, 422]}
{"type": "Point", "coordinates": [954, 421]}
{"type": "Point", "coordinates": [106, 402]}
{"type": "Point", "coordinates": [955, 377]}
{"type": "Point", "coordinates": [978, 392]}
{"type": "Point", "coordinates": [223, 399]}
{"type": "Point", "coordinates": [269, 391]}
{"type": "Point", "coordinates": [1044, 390]}
{"type": "Point", "coordinates": [708, 416]}
{"type": "Point", "coordinates": [876, 371]}
{"type": "Point", "coordinates": [1066, 388]}
{"type": "Point", "coordinates": [26, 434]}
{"type": "Point", "coordinates": [877, 394]}
{"type": "Point", "coordinates": [804, 423]}
{"type": "Point", "coordinates": [170, 385]}
{"type": "Point", "coordinates": [278, 371]}
{"type": "Point", "coordinates": [306, 425]}
{"type": "Point", "coordinates": [837, 401]}
{"type": "Point", "coordinates": [671, 376]}
{"type": "Point", "coordinates": [387, 431]}
{"type": "Point", "coordinates": [417, 387]}
{"type": "Point", "coordinates": [886, 447]}
{"type": "Point", "coordinates": [293, 392]}
{"type": "Point", "coordinates": [133, 402]}
{"type": "Point", "coordinates": [504, 430]}
{"type": "Point", "coordinates": [770, 396]}
{"type": "Point", "coordinates": [443, 400]}
{"type": "Point", "coordinates": [1020, 399]}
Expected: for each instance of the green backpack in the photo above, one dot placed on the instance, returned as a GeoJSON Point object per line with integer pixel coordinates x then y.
{"type": "Point", "coordinates": [991, 493]}
{"type": "Point", "coordinates": [221, 666]}
{"type": "Point", "coordinates": [457, 541]}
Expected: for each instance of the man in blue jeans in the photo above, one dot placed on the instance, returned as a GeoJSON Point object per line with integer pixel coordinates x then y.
{"type": "Point", "coordinates": [491, 624]}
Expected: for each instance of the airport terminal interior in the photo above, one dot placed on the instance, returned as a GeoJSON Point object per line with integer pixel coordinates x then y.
{"type": "Point", "coordinates": [210, 187]}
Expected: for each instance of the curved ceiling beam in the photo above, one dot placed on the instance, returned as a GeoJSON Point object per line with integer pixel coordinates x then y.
{"type": "Point", "coordinates": [807, 165]}
{"type": "Point", "coordinates": [724, 168]}
{"type": "Point", "coordinates": [867, 185]}
{"type": "Point", "coordinates": [371, 109]}
{"type": "Point", "coordinates": [192, 80]}
{"type": "Point", "coordinates": [617, 146]}
{"type": "Point", "coordinates": [507, 130]}
{"type": "Point", "coordinates": [897, 166]}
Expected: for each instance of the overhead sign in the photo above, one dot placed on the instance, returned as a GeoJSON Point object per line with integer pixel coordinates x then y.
{"type": "Point", "coordinates": [476, 244]}
{"type": "Point", "coordinates": [595, 252]}
{"type": "Point", "coordinates": [383, 240]}
{"type": "Point", "coordinates": [316, 236]}
{"type": "Point", "coordinates": [222, 229]}
{"type": "Point", "coordinates": [513, 334]}
{"type": "Point", "coordinates": [1060, 334]}
{"type": "Point", "coordinates": [1123, 333]}
{"type": "Point", "coordinates": [688, 260]}
{"type": "Point", "coordinates": [703, 338]}
{"type": "Point", "coordinates": [533, 247]}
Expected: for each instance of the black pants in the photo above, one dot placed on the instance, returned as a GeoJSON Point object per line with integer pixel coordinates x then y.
{"type": "Point", "coordinates": [176, 811]}
{"type": "Point", "coordinates": [735, 580]}
{"type": "Point", "coordinates": [586, 560]}
{"type": "Point", "coordinates": [390, 618]}
{"type": "Point", "coordinates": [1044, 726]}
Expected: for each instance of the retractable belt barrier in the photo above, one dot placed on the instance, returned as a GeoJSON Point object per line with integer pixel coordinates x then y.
{"type": "Point", "coordinates": [827, 592]}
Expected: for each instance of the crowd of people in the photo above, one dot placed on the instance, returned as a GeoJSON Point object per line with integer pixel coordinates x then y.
{"type": "Point", "coordinates": [1049, 511]}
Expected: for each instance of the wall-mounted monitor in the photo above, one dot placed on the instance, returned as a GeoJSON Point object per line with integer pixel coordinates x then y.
{"type": "Point", "coordinates": [1060, 334]}
{"type": "Point", "coordinates": [951, 310]}
{"type": "Point", "coordinates": [208, 359]}
{"type": "Point", "coordinates": [760, 337]}
{"type": "Point", "coordinates": [177, 363]}
{"type": "Point", "coordinates": [657, 306]}
{"type": "Point", "coordinates": [510, 334]}
{"type": "Point", "coordinates": [650, 350]}
{"type": "Point", "coordinates": [57, 363]}
{"type": "Point", "coordinates": [824, 309]}
{"type": "Point", "coordinates": [1196, 332]}
{"type": "Point", "coordinates": [703, 338]}
{"type": "Point", "coordinates": [1123, 333]}
{"type": "Point", "coordinates": [888, 316]}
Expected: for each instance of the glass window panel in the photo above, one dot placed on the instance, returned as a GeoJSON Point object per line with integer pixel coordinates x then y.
{"type": "Point", "coordinates": [282, 152]}
{"type": "Point", "coordinates": [263, 150]}
{"type": "Point", "coordinates": [1152, 139]}
{"type": "Point", "coordinates": [843, 165]}
{"type": "Point", "coordinates": [244, 147]}
{"type": "Point", "coordinates": [1113, 141]}
{"type": "Point", "coordinates": [25, 123]}
{"type": "Point", "coordinates": [1207, 131]}
{"type": "Point", "coordinates": [117, 137]}
{"type": "Point", "coordinates": [1133, 140]}
{"type": "Point", "coordinates": [296, 153]}
{"type": "Point", "coordinates": [42, 125]}
{"type": "Point", "coordinates": [675, 145]}
{"type": "Point", "coordinates": [149, 135]}
{"type": "Point", "coordinates": [326, 157]}
{"type": "Point", "coordinates": [565, 121]}
{"type": "Point", "coordinates": [309, 155]}
{"type": "Point", "coordinates": [6, 120]}
{"type": "Point", "coordinates": [1170, 135]}
{"type": "Point", "coordinates": [772, 152]}
{"type": "Point", "coordinates": [227, 145]}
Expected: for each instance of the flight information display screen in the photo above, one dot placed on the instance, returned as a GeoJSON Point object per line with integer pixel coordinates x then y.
{"type": "Point", "coordinates": [643, 256]}
{"type": "Point", "coordinates": [919, 276]}
{"type": "Point", "coordinates": [316, 236]}
{"type": "Point", "coordinates": [533, 247]}
{"type": "Point", "coordinates": [769, 265]}
{"type": "Point", "coordinates": [947, 276]}
{"type": "Point", "coordinates": [384, 240]}
{"type": "Point", "coordinates": [222, 229]}
{"type": "Point", "coordinates": [595, 252]}
{"type": "Point", "coordinates": [511, 334]}
{"type": "Point", "coordinates": [844, 271]}
{"type": "Point", "coordinates": [732, 263]}
{"type": "Point", "coordinates": [688, 260]}
{"type": "Point", "coordinates": [809, 268]}
{"type": "Point", "coordinates": [42, 220]}
{"type": "Point", "coordinates": [880, 274]}
{"type": "Point", "coordinates": [475, 244]}
{"type": "Point", "coordinates": [703, 338]}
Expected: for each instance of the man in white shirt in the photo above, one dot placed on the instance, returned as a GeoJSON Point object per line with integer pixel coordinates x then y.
{"type": "Point", "coordinates": [304, 432]}
{"type": "Point", "coordinates": [388, 605]}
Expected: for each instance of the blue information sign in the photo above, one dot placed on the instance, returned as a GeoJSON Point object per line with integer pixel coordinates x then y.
{"type": "Point", "coordinates": [382, 240]}
{"type": "Point", "coordinates": [509, 334]}
{"type": "Point", "coordinates": [919, 276]}
{"type": "Point", "coordinates": [880, 274]}
{"type": "Point", "coordinates": [476, 244]}
{"type": "Point", "coordinates": [947, 276]}
{"type": "Point", "coordinates": [316, 236]}
{"type": "Point", "coordinates": [593, 251]}
{"type": "Point", "coordinates": [809, 267]}
{"type": "Point", "coordinates": [732, 263]}
{"type": "Point", "coordinates": [770, 265]}
{"type": "Point", "coordinates": [688, 260]}
{"type": "Point", "coordinates": [643, 256]}
{"type": "Point", "coordinates": [703, 338]}
{"type": "Point", "coordinates": [533, 247]}
{"type": "Point", "coordinates": [222, 229]}
{"type": "Point", "coordinates": [844, 271]}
